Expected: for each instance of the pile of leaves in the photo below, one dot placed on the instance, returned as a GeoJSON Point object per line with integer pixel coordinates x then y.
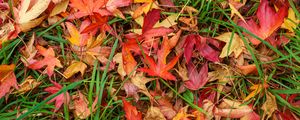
{"type": "Point", "coordinates": [150, 59]}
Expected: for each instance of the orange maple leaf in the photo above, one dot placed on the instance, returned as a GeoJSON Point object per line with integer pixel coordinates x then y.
{"type": "Point", "coordinates": [7, 79]}
{"type": "Point", "coordinates": [49, 60]}
{"type": "Point", "coordinates": [130, 111]}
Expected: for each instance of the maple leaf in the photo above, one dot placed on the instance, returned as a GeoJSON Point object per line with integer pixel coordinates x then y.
{"type": "Point", "coordinates": [291, 21]}
{"type": "Point", "coordinates": [234, 44]}
{"type": "Point", "coordinates": [161, 68]}
{"type": "Point", "coordinates": [80, 106]}
{"type": "Point", "coordinates": [269, 21]}
{"type": "Point", "coordinates": [256, 89]}
{"type": "Point", "coordinates": [7, 79]}
{"type": "Point", "coordinates": [49, 60]}
{"type": "Point", "coordinates": [63, 98]}
{"type": "Point", "coordinates": [74, 68]}
{"type": "Point", "coordinates": [28, 11]}
{"type": "Point", "coordinates": [77, 38]}
{"type": "Point", "coordinates": [140, 81]}
{"type": "Point", "coordinates": [100, 22]}
{"type": "Point", "coordinates": [196, 79]}
{"type": "Point", "coordinates": [131, 112]}
{"type": "Point", "coordinates": [154, 113]}
{"type": "Point", "coordinates": [144, 8]}
{"type": "Point", "coordinates": [269, 106]}
{"type": "Point", "coordinates": [201, 45]}
{"type": "Point", "coordinates": [102, 7]}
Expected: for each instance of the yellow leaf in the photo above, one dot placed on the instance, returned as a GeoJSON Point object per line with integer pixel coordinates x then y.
{"type": "Point", "coordinates": [168, 22]}
{"type": "Point", "coordinates": [291, 22]}
{"type": "Point", "coordinates": [118, 59]}
{"type": "Point", "coordinates": [255, 90]}
{"type": "Point", "coordinates": [60, 7]}
{"type": "Point", "coordinates": [236, 45]}
{"type": "Point", "coordinates": [182, 114]}
{"type": "Point", "coordinates": [235, 11]}
{"type": "Point", "coordinates": [269, 106]}
{"type": "Point", "coordinates": [75, 67]}
{"type": "Point", "coordinates": [139, 80]}
{"type": "Point", "coordinates": [31, 24]}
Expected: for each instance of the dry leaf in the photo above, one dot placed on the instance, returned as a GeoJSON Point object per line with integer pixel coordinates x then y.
{"type": "Point", "coordinates": [74, 68]}
{"type": "Point", "coordinates": [269, 106]}
{"type": "Point", "coordinates": [29, 84]}
{"type": "Point", "coordinates": [291, 22]}
{"type": "Point", "coordinates": [118, 59]}
{"type": "Point", "coordinates": [234, 45]}
{"type": "Point", "coordinates": [7, 79]}
{"type": "Point", "coordinates": [154, 113]}
{"type": "Point", "coordinates": [60, 7]}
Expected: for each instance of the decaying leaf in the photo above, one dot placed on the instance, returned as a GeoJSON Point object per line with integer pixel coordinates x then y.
{"type": "Point", "coordinates": [7, 79]}
{"type": "Point", "coordinates": [139, 80]}
{"type": "Point", "coordinates": [154, 113]}
{"type": "Point", "coordinates": [80, 104]}
{"type": "Point", "coordinates": [270, 106]}
{"type": "Point", "coordinates": [256, 89]}
{"type": "Point", "coordinates": [118, 59]}
{"type": "Point", "coordinates": [182, 114]}
{"type": "Point", "coordinates": [29, 52]}
{"type": "Point", "coordinates": [234, 44]}
{"type": "Point", "coordinates": [74, 68]}
{"type": "Point", "coordinates": [29, 84]}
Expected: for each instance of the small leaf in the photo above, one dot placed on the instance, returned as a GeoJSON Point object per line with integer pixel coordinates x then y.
{"type": "Point", "coordinates": [196, 79]}
{"type": "Point", "coordinates": [29, 84]}
{"type": "Point", "coordinates": [154, 113]}
{"type": "Point", "coordinates": [269, 106]}
{"type": "Point", "coordinates": [26, 14]}
{"type": "Point", "coordinates": [74, 68]}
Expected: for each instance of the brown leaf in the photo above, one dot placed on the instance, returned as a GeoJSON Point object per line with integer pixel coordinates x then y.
{"type": "Point", "coordinates": [139, 80]}
{"type": "Point", "coordinates": [118, 58]}
{"type": "Point", "coordinates": [269, 106]}
{"type": "Point", "coordinates": [60, 7]}
{"type": "Point", "coordinates": [29, 84]}
{"type": "Point", "coordinates": [154, 113]}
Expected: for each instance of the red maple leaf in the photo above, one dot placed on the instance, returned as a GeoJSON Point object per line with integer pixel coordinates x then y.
{"type": "Point", "coordinates": [196, 79]}
{"type": "Point", "coordinates": [148, 32]}
{"type": "Point", "coordinates": [202, 45]}
{"type": "Point", "coordinates": [131, 112]}
{"type": "Point", "coordinates": [49, 60]}
{"type": "Point", "coordinates": [161, 68]}
{"type": "Point", "coordinates": [60, 99]}
{"type": "Point", "coordinates": [269, 21]}
{"type": "Point", "coordinates": [7, 79]}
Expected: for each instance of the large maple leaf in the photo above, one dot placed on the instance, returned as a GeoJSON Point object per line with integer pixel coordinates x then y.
{"type": "Point", "coordinates": [202, 45]}
{"type": "Point", "coordinates": [49, 60]}
{"type": "Point", "coordinates": [7, 79]}
{"type": "Point", "coordinates": [60, 99]}
{"type": "Point", "coordinates": [161, 68]}
{"type": "Point", "coordinates": [196, 79]}
{"type": "Point", "coordinates": [131, 112]}
{"type": "Point", "coordinates": [269, 21]}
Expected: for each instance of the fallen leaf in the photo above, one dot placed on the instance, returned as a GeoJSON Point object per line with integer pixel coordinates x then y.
{"type": "Point", "coordinates": [154, 113]}
{"type": "Point", "coordinates": [29, 84]}
{"type": "Point", "coordinates": [201, 45]}
{"type": "Point", "coordinates": [196, 79]}
{"type": "Point", "coordinates": [74, 68]}
{"type": "Point", "coordinates": [7, 79]}
{"type": "Point", "coordinates": [49, 60]}
{"type": "Point", "coordinates": [182, 114]}
{"type": "Point", "coordinates": [144, 8]}
{"type": "Point", "coordinates": [131, 90]}
{"type": "Point", "coordinates": [118, 58]}
{"type": "Point", "coordinates": [291, 22]}
{"type": "Point", "coordinates": [140, 81]}
{"type": "Point", "coordinates": [77, 38]}
{"type": "Point", "coordinates": [247, 69]}
{"type": "Point", "coordinates": [81, 108]}
{"type": "Point", "coordinates": [234, 44]}
{"type": "Point", "coordinates": [270, 106]}
{"type": "Point", "coordinates": [161, 68]}
{"type": "Point", "coordinates": [232, 109]}
{"type": "Point", "coordinates": [256, 89]}
{"type": "Point", "coordinates": [60, 7]}
{"type": "Point", "coordinates": [235, 5]}
{"type": "Point", "coordinates": [27, 13]}
{"type": "Point", "coordinates": [269, 21]}
{"type": "Point", "coordinates": [63, 98]}
{"type": "Point", "coordinates": [29, 51]}
{"type": "Point", "coordinates": [131, 112]}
